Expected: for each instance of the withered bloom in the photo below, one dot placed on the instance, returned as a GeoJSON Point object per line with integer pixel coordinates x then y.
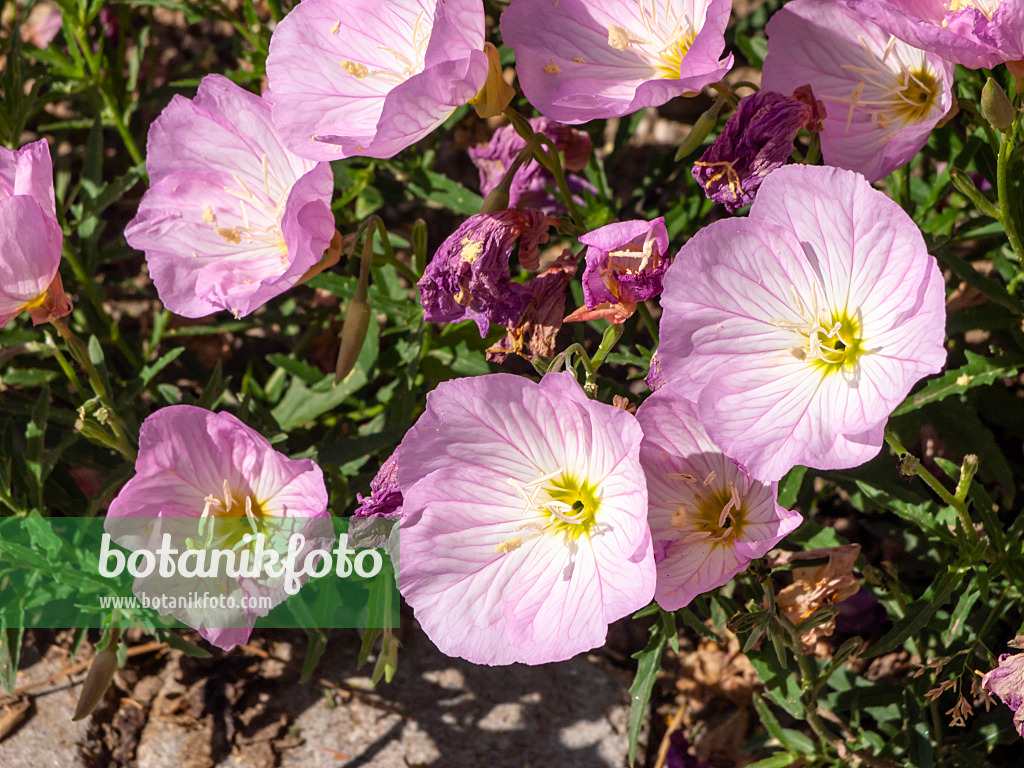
{"type": "Point", "coordinates": [757, 139]}
{"type": "Point", "coordinates": [469, 276]}
{"type": "Point", "coordinates": [531, 182]}
{"type": "Point", "coordinates": [534, 334]}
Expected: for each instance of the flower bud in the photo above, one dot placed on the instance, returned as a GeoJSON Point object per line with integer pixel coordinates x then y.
{"type": "Point", "coordinates": [705, 123]}
{"type": "Point", "coordinates": [353, 333]}
{"type": "Point", "coordinates": [101, 673]}
{"type": "Point", "coordinates": [996, 106]}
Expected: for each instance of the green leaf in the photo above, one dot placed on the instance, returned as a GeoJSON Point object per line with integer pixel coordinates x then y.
{"type": "Point", "coordinates": [150, 371]}
{"type": "Point", "coordinates": [778, 760]}
{"type": "Point", "coordinates": [177, 642]}
{"type": "Point", "coordinates": [789, 486]}
{"type": "Point", "coordinates": [648, 665]}
{"type": "Point", "coordinates": [959, 616]}
{"type": "Point", "coordinates": [918, 614]}
{"type": "Point", "coordinates": [440, 190]}
{"type": "Point", "coordinates": [10, 653]}
{"type": "Point", "coordinates": [978, 371]}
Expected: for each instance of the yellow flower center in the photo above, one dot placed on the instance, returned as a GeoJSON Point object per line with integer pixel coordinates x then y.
{"type": "Point", "coordinates": [831, 340]}
{"type": "Point", "coordinates": [663, 41]}
{"type": "Point", "coordinates": [713, 510]}
{"type": "Point", "coordinates": [227, 519]}
{"type": "Point", "coordinates": [892, 91]}
{"type": "Point", "coordinates": [558, 504]}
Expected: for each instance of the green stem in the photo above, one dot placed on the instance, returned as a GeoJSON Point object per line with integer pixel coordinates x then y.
{"type": "Point", "coordinates": [96, 71]}
{"type": "Point", "coordinates": [1008, 208]}
{"type": "Point", "coordinates": [81, 355]}
{"type": "Point", "coordinates": [912, 466]}
{"type": "Point", "coordinates": [65, 366]}
{"type": "Point", "coordinates": [554, 164]}
{"type": "Point", "coordinates": [97, 304]}
{"type": "Point", "coordinates": [648, 321]}
{"type": "Point", "coordinates": [726, 91]}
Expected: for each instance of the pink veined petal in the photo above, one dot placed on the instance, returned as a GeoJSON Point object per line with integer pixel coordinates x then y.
{"type": "Point", "coordinates": [492, 575]}
{"type": "Point", "coordinates": [30, 242]}
{"type": "Point", "coordinates": [571, 73]}
{"type": "Point", "coordinates": [924, 24]}
{"type": "Point", "coordinates": [675, 446]}
{"type": "Point", "coordinates": [334, 78]}
{"type": "Point", "coordinates": [832, 49]}
{"type": "Point", "coordinates": [732, 340]}
{"type": "Point", "coordinates": [29, 171]}
{"type": "Point", "coordinates": [233, 219]}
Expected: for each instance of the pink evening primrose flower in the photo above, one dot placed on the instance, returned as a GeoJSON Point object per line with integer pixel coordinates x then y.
{"type": "Point", "coordinates": [580, 61]}
{"type": "Point", "coordinates": [975, 33]}
{"type": "Point", "coordinates": [797, 330]}
{"type": "Point", "coordinates": [232, 218]}
{"type": "Point", "coordinates": [883, 97]}
{"type": "Point", "coordinates": [210, 480]}
{"type": "Point", "coordinates": [372, 77]}
{"type": "Point", "coordinates": [626, 264]}
{"type": "Point", "coordinates": [524, 530]}
{"type": "Point", "coordinates": [30, 237]}
{"type": "Point", "coordinates": [709, 519]}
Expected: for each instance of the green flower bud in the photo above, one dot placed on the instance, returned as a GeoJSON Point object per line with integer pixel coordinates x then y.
{"type": "Point", "coordinates": [996, 106]}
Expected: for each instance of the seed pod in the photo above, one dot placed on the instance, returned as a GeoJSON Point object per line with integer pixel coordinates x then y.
{"type": "Point", "coordinates": [97, 681]}
{"type": "Point", "coordinates": [705, 123]}
{"type": "Point", "coordinates": [353, 333]}
{"type": "Point", "coordinates": [996, 106]}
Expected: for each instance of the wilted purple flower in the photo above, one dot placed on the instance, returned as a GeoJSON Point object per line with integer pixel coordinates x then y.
{"type": "Point", "coordinates": [975, 33]}
{"type": "Point", "coordinates": [232, 218]}
{"type": "Point", "coordinates": [883, 96]}
{"type": "Point", "coordinates": [1007, 682]}
{"type": "Point", "coordinates": [30, 237]}
{"type": "Point", "coordinates": [580, 61]}
{"type": "Point", "coordinates": [531, 182]}
{"type": "Point", "coordinates": [757, 139]}
{"type": "Point", "coordinates": [654, 378]}
{"type": "Point", "coordinates": [469, 276]}
{"type": "Point", "coordinates": [385, 499]}
{"type": "Point", "coordinates": [626, 264]}
{"type": "Point", "coordinates": [534, 333]}
{"type": "Point", "coordinates": [372, 77]}
{"type": "Point", "coordinates": [213, 483]}
{"type": "Point", "coordinates": [679, 756]}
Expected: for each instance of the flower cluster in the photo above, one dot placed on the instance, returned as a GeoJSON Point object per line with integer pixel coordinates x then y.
{"type": "Point", "coordinates": [532, 515]}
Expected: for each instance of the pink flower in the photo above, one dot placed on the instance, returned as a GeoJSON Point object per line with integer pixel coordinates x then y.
{"type": "Point", "coordinates": [580, 61]}
{"type": "Point", "coordinates": [883, 97]}
{"type": "Point", "coordinates": [626, 264]}
{"type": "Point", "coordinates": [708, 517]}
{"type": "Point", "coordinates": [232, 218]}
{"type": "Point", "coordinates": [796, 331]}
{"type": "Point", "coordinates": [975, 33]}
{"type": "Point", "coordinates": [524, 530]}
{"type": "Point", "coordinates": [209, 480]}
{"type": "Point", "coordinates": [42, 25]}
{"type": "Point", "coordinates": [372, 77]}
{"type": "Point", "coordinates": [30, 237]}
